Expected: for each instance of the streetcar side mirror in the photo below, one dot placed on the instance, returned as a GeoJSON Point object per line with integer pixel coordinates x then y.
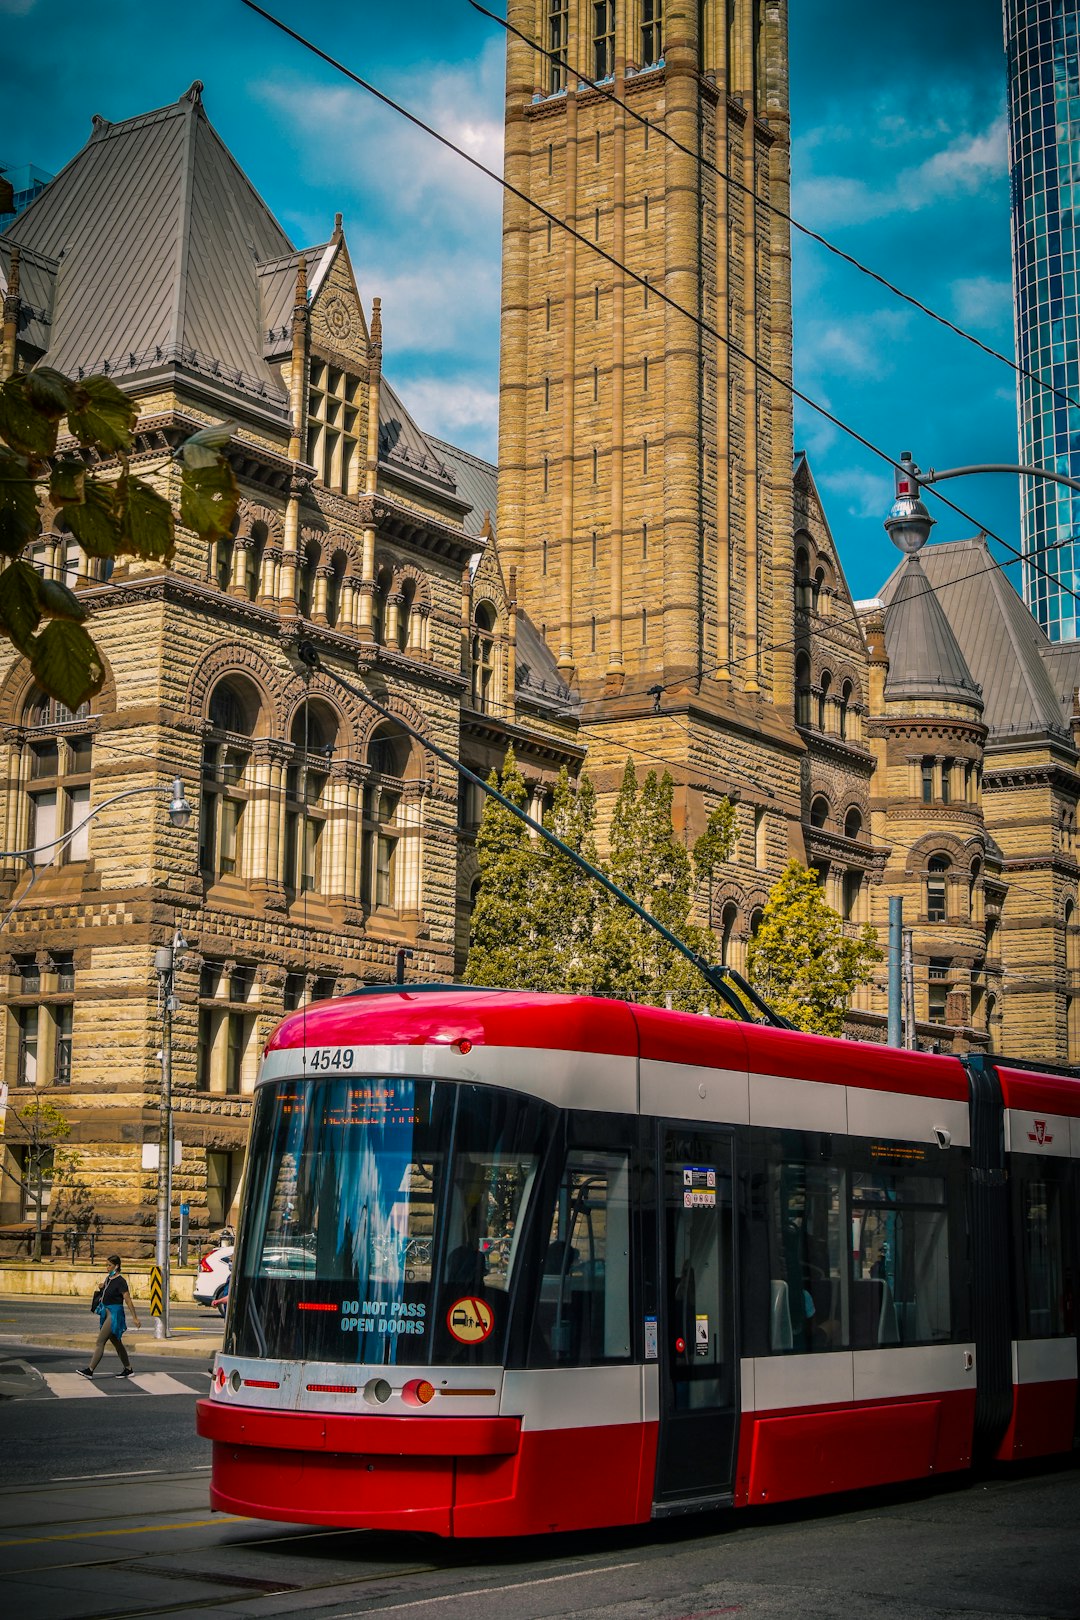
{"type": "Point", "coordinates": [942, 1136]}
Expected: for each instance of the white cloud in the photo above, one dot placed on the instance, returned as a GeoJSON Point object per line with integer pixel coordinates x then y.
{"type": "Point", "coordinates": [981, 299]}
{"type": "Point", "coordinates": [17, 8]}
{"type": "Point", "coordinates": [435, 304]}
{"type": "Point", "coordinates": [463, 413]}
{"type": "Point", "coordinates": [863, 493]}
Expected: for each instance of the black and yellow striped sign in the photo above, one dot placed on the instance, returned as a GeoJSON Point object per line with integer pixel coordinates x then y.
{"type": "Point", "coordinates": [157, 1306]}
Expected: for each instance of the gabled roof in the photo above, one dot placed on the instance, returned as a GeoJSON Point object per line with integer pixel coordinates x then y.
{"type": "Point", "coordinates": [157, 235]}
{"type": "Point", "coordinates": [538, 678]}
{"type": "Point", "coordinates": [1002, 646]}
{"type": "Point", "coordinates": [277, 291]}
{"type": "Point", "coordinates": [405, 446]}
{"type": "Point", "coordinates": [477, 482]}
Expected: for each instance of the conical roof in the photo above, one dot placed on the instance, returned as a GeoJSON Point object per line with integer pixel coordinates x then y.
{"type": "Point", "coordinates": [156, 235]}
{"type": "Point", "coordinates": [925, 660]}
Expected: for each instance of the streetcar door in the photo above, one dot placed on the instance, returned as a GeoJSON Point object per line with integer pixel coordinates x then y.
{"type": "Point", "coordinates": [698, 1369]}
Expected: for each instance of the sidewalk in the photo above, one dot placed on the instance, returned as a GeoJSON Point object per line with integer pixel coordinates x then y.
{"type": "Point", "coordinates": [182, 1343]}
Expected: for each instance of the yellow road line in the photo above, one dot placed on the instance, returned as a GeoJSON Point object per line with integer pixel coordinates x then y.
{"type": "Point", "coordinates": [139, 1530]}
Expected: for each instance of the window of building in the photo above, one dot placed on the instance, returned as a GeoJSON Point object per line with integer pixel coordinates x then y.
{"type": "Point", "coordinates": [383, 820]}
{"type": "Point", "coordinates": [802, 690]}
{"type": "Point", "coordinates": [804, 591]}
{"type": "Point", "coordinates": [384, 581]}
{"type": "Point", "coordinates": [936, 868]}
{"type": "Point", "coordinates": [557, 40]}
{"type": "Point", "coordinates": [728, 919]}
{"type": "Point", "coordinates": [42, 1006]}
{"type": "Point", "coordinates": [652, 32]}
{"type": "Point", "coordinates": [227, 1054]}
{"type": "Point", "coordinates": [225, 792]}
{"type": "Point", "coordinates": [823, 701]}
{"type": "Point", "coordinates": [603, 38]}
{"type": "Point", "coordinates": [852, 891]}
{"type": "Point", "coordinates": [333, 444]}
{"type": "Point", "coordinates": [58, 791]}
{"type": "Point", "coordinates": [294, 992]}
{"type": "Point", "coordinates": [946, 781]}
{"type": "Point", "coordinates": [928, 781]}
{"type": "Point", "coordinates": [853, 823]}
{"type": "Point", "coordinates": [819, 811]}
{"type": "Point", "coordinates": [938, 975]}
{"type": "Point", "coordinates": [845, 707]}
{"type": "Point", "coordinates": [483, 657]}
{"type": "Point", "coordinates": [313, 736]}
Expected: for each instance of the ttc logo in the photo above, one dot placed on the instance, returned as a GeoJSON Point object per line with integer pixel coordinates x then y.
{"type": "Point", "coordinates": [1040, 1134]}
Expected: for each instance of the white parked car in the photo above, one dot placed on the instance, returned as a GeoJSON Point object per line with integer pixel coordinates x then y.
{"type": "Point", "coordinates": [213, 1275]}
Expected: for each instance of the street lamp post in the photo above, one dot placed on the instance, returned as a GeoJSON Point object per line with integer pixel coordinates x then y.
{"type": "Point", "coordinates": [167, 959]}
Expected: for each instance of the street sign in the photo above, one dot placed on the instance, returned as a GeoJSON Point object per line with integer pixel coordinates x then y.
{"type": "Point", "coordinates": [157, 1307]}
{"type": "Point", "coordinates": [185, 1209]}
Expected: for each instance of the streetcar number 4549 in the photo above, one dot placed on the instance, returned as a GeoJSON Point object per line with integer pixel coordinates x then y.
{"type": "Point", "coordinates": [328, 1057]}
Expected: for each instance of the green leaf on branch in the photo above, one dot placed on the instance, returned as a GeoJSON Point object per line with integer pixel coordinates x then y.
{"type": "Point", "coordinates": [208, 500]}
{"type": "Point", "coordinates": [96, 523]}
{"type": "Point", "coordinates": [146, 520]}
{"type": "Point", "coordinates": [52, 393]}
{"type": "Point", "coordinates": [67, 482]}
{"type": "Point", "coordinates": [106, 418]}
{"type": "Point", "coordinates": [67, 664]}
{"type": "Point", "coordinates": [23, 424]}
{"type": "Point", "coordinates": [20, 603]}
{"type": "Point", "coordinates": [60, 602]}
{"type": "Point", "coordinates": [19, 518]}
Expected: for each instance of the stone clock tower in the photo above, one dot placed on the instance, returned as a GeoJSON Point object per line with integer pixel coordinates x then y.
{"type": "Point", "coordinates": [645, 492]}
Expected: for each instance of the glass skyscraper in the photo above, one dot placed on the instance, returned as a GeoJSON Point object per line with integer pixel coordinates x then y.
{"type": "Point", "coordinates": [1042, 46]}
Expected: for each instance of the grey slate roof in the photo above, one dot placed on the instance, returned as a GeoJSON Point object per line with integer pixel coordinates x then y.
{"type": "Point", "coordinates": [1002, 646]}
{"type": "Point", "coordinates": [538, 677]}
{"type": "Point", "coordinates": [924, 658]}
{"type": "Point", "coordinates": [402, 443]}
{"type": "Point", "coordinates": [477, 482]}
{"type": "Point", "coordinates": [156, 233]}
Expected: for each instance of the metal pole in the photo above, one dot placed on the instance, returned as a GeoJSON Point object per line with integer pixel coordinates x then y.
{"type": "Point", "coordinates": [164, 1182]}
{"type": "Point", "coordinates": [909, 993]}
{"type": "Point", "coordinates": [896, 947]}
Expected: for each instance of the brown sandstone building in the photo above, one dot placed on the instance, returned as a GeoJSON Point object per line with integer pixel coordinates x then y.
{"type": "Point", "coordinates": [654, 530]}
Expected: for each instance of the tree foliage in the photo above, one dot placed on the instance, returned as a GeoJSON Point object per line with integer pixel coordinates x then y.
{"type": "Point", "coordinates": [801, 961]}
{"type": "Point", "coordinates": [44, 1127]}
{"type": "Point", "coordinates": [109, 511]}
{"type": "Point", "coordinates": [541, 923]}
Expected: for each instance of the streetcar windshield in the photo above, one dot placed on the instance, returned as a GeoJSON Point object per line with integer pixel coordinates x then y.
{"type": "Point", "coordinates": [381, 1220]}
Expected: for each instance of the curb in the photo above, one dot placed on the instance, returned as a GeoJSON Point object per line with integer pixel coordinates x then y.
{"type": "Point", "coordinates": [189, 1344]}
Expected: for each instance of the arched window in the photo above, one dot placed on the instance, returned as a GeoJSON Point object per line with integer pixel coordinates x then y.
{"type": "Point", "coordinates": [313, 734]}
{"type": "Point", "coordinates": [60, 748]}
{"type": "Point", "coordinates": [383, 581]}
{"type": "Point", "coordinates": [483, 657]}
{"type": "Point", "coordinates": [823, 702]}
{"type": "Point", "coordinates": [819, 811]}
{"type": "Point", "coordinates": [802, 690]}
{"type": "Point", "coordinates": [804, 590]}
{"type": "Point", "coordinates": [233, 714]}
{"type": "Point", "coordinates": [820, 601]}
{"type": "Point", "coordinates": [973, 887]}
{"type": "Point", "coordinates": [253, 560]}
{"type": "Point", "coordinates": [755, 922]}
{"type": "Point", "coordinates": [305, 582]}
{"type": "Point", "coordinates": [405, 610]}
{"type": "Point", "coordinates": [845, 705]}
{"type": "Point", "coordinates": [853, 823]}
{"type": "Point", "coordinates": [388, 879]}
{"type": "Point", "coordinates": [728, 919]}
{"type": "Point", "coordinates": [334, 585]}
{"type": "Point", "coordinates": [1072, 939]}
{"type": "Point", "coordinates": [221, 559]}
{"type": "Point", "coordinates": [936, 906]}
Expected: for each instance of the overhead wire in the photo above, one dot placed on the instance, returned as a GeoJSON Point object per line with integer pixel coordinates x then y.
{"type": "Point", "coordinates": [603, 88]}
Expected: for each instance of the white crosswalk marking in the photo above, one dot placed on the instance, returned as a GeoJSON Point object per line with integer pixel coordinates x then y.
{"type": "Point", "coordinates": [69, 1386]}
{"type": "Point", "coordinates": [159, 1383]}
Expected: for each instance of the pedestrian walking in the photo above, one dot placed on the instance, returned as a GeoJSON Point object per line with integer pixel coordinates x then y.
{"type": "Point", "coordinates": [112, 1297]}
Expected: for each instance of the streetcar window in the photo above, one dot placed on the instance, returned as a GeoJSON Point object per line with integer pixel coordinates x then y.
{"type": "Point", "coordinates": [1042, 1288]}
{"type": "Point", "coordinates": [583, 1311]}
{"type": "Point", "coordinates": [381, 1217]}
{"type": "Point", "coordinates": [858, 1253]}
{"type": "Point", "coordinates": [806, 1257]}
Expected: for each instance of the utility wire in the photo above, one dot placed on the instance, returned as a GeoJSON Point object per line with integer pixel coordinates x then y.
{"type": "Point", "coordinates": [624, 269]}
{"type": "Point", "coordinates": [773, 208]}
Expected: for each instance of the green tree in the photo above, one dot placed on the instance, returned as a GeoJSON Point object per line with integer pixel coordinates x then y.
{"type": "Point", "coordinates": [801, 961]}
{"type": "Point", "coordinates": [44, 1127]}
{"type": "Point", "coordinates": [504, 935]}
{"type": "Point", "coordinates": [654, 868]}
{"type": "Point", "coordinates": [110, 511]}
{"type": "Point", "coordinates": [568, 901]}
{"type": "Point", "coordinates": [713, 848]}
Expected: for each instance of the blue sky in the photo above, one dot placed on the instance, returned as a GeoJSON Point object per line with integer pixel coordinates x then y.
{"type": "Point", "coordinates": [899, 156]}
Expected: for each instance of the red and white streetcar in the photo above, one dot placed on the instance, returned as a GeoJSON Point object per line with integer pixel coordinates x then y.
{"type": "Point", "coordinates": [514, 1263]}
